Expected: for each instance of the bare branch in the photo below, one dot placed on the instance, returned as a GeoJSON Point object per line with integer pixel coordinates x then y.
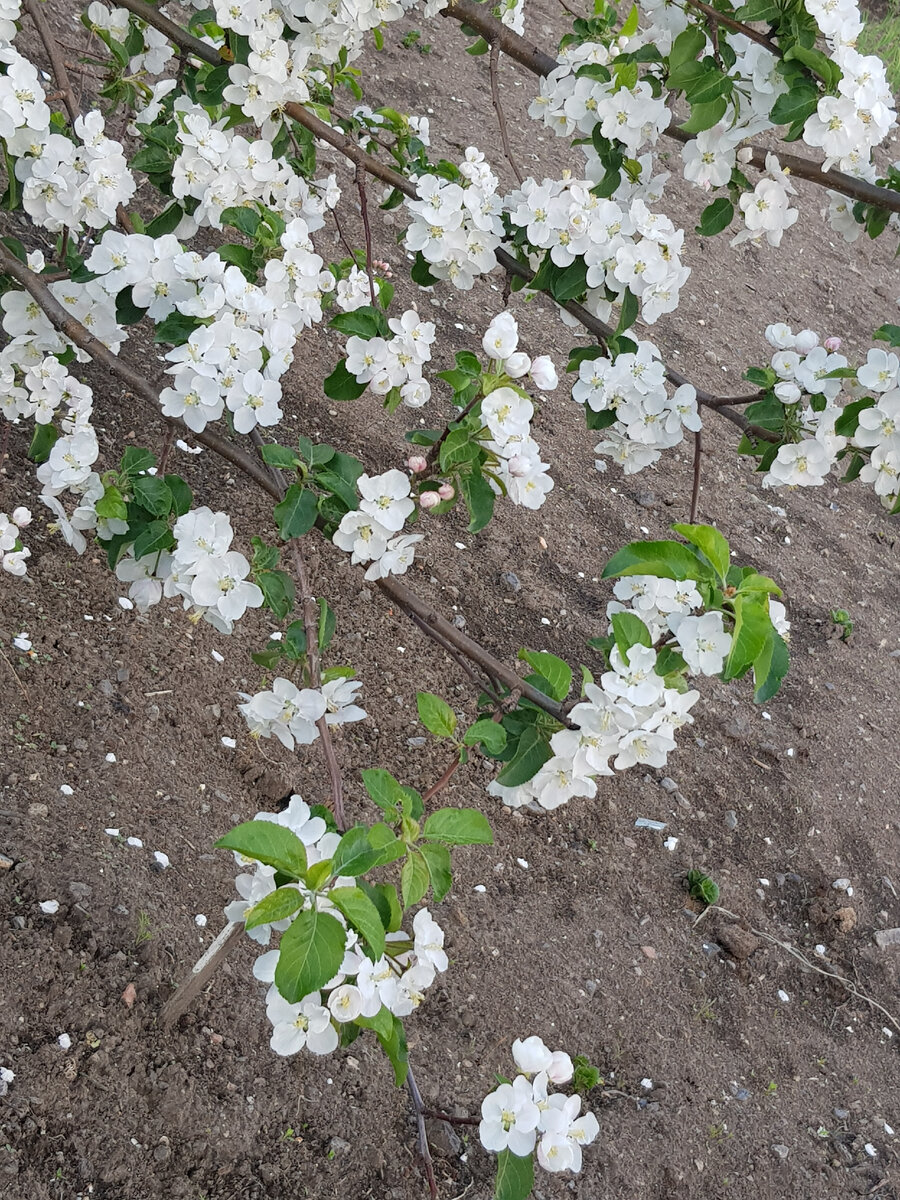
{"type": "Point", "coordinates": [498, 109]}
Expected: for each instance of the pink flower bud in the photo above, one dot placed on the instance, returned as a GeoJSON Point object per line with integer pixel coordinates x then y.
{"type": "Point", "coordinates": [429, 499]}
{"type": "Point", "coordinates": [833, 344]}
{"type": "Point", "coordinates": [21, 516]}
{"type": "Point", "coordinates": [446, 491]}
{"type": "Point", "coordinates": [417, 463]}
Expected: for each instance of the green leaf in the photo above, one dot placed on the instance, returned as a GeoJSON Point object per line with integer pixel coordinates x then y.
{"type": "Point", "coordinates": [752, 582]}
{"type": "Point", "coordinates": [176, 328]}
{"type": "Point", "coordinates": [436, 714]}
{"type": "Point", "coordinates": [488, 733]}
{"type": "Point", "coordinates": [515, 1176]}
{"type": "Point", "coordinates": [669, 661]}
{"type": "Point", "coordinates": [468, 362]}
{"type": "Point", "coordinates": [136, 460]}
{"type": "Point", "coordinates": [181, 494]}
{"type": "Point", "coordinates": [152, 159]}
{"type": "Point", "coordinates": [752, 629]}
{"type": "Point", "coordinates": [458, 827]}
{"type": "Point", "coordinates": [817, 62]}
{"type": "Point", "coordinates": [888, 333]}
{"type": "Point", "coordinates": [386, 844]}
{"type": "Point", "coordinates": [354, 854]}
{"type": "Point", "coordinates": [710, 543]}
{"type": "Point", "coordinates": [311, 953]}
{"type": "Point", "coordinates": [480, 498]}
{"type": "Point", "coordinates": [127, 312]}
{"type": "Point", "coordinates": [394, 1047]}
{"type": "Point", "coordinates": [438, 859]}
{"type": "Point", "coordinates": [770, 668]}
{"type": "Point", "coordinates": [296, 513]}
{"type": "Point", "coordinates": [247, 220]}
{"type": "Point", "coordinates": [278, 591]}
{"type": "Point", "coordinates": [238, 256]}
{"type": "Point", "coordinates": [341, 385]}
{"type": "Point", "coordinates": [384, 789]}
{"type": "Point", "coordinates": [702, 888]}
{"type": "Point", "coordinates": [167, 221]}
{"type": "Point", "coordinates": [420, 273]}
{"type": "Point", "coordinates": [152, 493]}
{"type": "Point", "coordinates": [271, 844]}
{"type": "Point", "coordinates": [458, 448]}
{"type": "Point", "coordinates": [111, 506]}
{"type": "Point", "coordinates": [704, 116]}
{"type": "Point", "coordinates": [848, 422]}
{"type": "Point", "coordinates": [327, 624]}
{"type": "Point", "coordinates": [277, 906]}
{"type": "Point", "coordinates": [628, 312]}
{"type": "Point", "coordinates": [532, 751]}
{"type": "Point", "coordinates": [557, 673]}
{"type": "Point", "coordinates": [365, 322]}
{"type": "Point", "coordinates": [665, 560]}
{"type": "Point", "coordinates": [384, 897]}
{"type": "Point", "coordinates": [715, 217]}
{"type": "Point", "coordinates": [382, 1023]}
{"type": "Point", "coordinates": [414, 878]}
{"type": "Point", "coordinates": [796, 105]}
{"type": "Point", "coordinates": [686, 46]}
{"type": "Point", "coordinates": [629, 630]}
{"type": "Point", "coordinates": [42, 442]}
{"type": "Point", "coordinates": [156, 536]}
{"type": "Point", "coordinates": [362, 915]}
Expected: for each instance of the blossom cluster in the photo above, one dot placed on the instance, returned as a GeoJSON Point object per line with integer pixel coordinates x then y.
{"type": "Point", "coordinates": [397, 981]}
{"type": "Point", "coordinates": [395, 362]}
{"type": "Point", "coordinates": [631, 716]}
{"type": "Point", "coordinates": [156, 51]}
{"type": "Point", "coordinates": [507, 413]}
{"type": "Point", "coordinates": [457, 226]}
{"type": "Point", "coordinates": [523, 1114]}
{"type": "Point", "coordinates": [220, 168]}
{"type": "Point", "coordinates": [624, 247]}
{"type": "Point", "coordinates": [803, 367]}
{"type": "Point", "coordinates": [289, 713]}
{"type": "Point", "coordinates": [647, 419]}
{"type": "Point", "coordinates": [12, 553]}
{"type": "Point", "coordinates": [373, 533]}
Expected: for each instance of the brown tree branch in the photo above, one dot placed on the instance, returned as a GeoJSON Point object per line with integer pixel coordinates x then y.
{"type": "Point", "coordinates": [57, 65]}
{"type": "Point", "coordinates": [720, 18]}
{"type": "Point", "coordinates": [494, 65]}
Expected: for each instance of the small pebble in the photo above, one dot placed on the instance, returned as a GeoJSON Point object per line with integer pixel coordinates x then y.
{"type": "Point", "coordinates": [731, 821]}
{"type": "Point", "coordinates": [644, 823]}
{"type": "Point", "coordinates": [783, 996]}
{"type": "Point", "coordinates": [479, 887]}
{"type": "Point", "coordinates": [66, 790]}
{"type": "Point", "coordinates": [217, 657]}
{"type": "Point", "coordinates": [668, 785]}
{"type": "Point", "coordinates": [49, 907]}
{"type": "Point", "coordinates": [841, 885]}
{"type": "Point", "coordinates": [162, 859]}
{"type": "Point", "coordinates": [110, 757]}
{"type": "Point", "coordinates": [200, 920]}
{"type": "Point", "coordinates": [229, 743]}
{"type": "Point", "coordinates": [111, 832]}
{"type": "Point", "coordinates": [670, 843]}
{"type": "Point", "coordinates": [842, 1113]}
{"type": "Point", "coordinates": [648, 951]}
{"type": "Point", "coordinates": [523, 863]}
{"type": "Point", "coordinates": [647, 1085]}
{"type": "Point", "coordinates": [510, 581]}
{"type": "Point", "coordinates": [136, 842]}
{"type": "Point", "coordinates": [125, 603]}
{"type": "Point", "coordinates": [780, 1150]}
{"type": "Point", "coordinates": [870, 1150]}
{"type": "Point", "coordinates": [64, 1041]}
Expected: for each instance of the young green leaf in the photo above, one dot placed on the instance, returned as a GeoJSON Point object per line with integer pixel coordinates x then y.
{"type": "Point", "coordinates": [515, 1176]}
{"type": "Point", "coordinates": [362, 914]}
{"type": "Point", "coordinates": [490, 734]}
{"type": "Point", "coordinates": [557, 673]}
{"type": "Point", "coordinates": [710, 543]}
{"type": "Point", "coordinates": [354, 854]}
{"type": "Point", "coordinates": [629, 630]}
{"type": "Point", "coordinates": [438, 859]}
{"type": "Point", "coordinates": [531, 752]}
{"type": "Point", "coordinates": [384, 789]}
{"type": "Point", "coordinates": [458, 827]}
{"type": "Point", "coordinates": [414, 878]}
{"type": "Point", "coordinates": [268, 843]}
{"type": "Point", "coordinates": [666, 560]}
{"type": "Point", "coordinates": [296, 513]}
{"type": "Point", "coordinates": [436, 714]}
{"type": "Point", "coordinates": [278, 905]}
{"type": "Point", "coordinates": [311, 953]}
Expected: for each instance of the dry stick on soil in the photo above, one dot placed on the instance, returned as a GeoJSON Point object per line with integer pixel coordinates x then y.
{"type": "Point", "coordinates": [201, 973]}
{"type": "Point", "coordinates": [424, 1150]}
{"type": "Point", "coordinates": [845, 983]}
{"type": "Point", "coordinates": [494, 65]}
{"type": "Point", "coordinates": [478, 17]}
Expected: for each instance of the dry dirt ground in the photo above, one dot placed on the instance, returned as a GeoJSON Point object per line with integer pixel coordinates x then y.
{"type": "Point", "coordinates": [594, 946]}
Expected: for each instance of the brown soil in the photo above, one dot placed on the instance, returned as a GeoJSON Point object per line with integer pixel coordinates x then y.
{"type": "Point", "coordinates": [594, 946]}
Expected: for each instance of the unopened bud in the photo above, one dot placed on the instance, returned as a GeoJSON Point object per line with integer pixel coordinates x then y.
{"type": "Point", "coordinates": [429, 499]}
{"type": "Point", "coordinates": [417, 463]}
{"type": "Point", "coordinates": [446, 491]}
{"type": "Point", "coordinates": [832, 345]}
{"type": "Point", "coordinates": [745, 154]}
{"type": "Point", "coordinates": [21, 516]}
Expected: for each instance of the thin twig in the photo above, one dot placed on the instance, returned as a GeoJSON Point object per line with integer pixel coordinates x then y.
{"type": "Point", "coordinates": [441, 783]}
{"type": "Point", "coordinates": [4, 442]}
{"type": "Point", "coordinates": [57, 63]}
{"type": "Point", "coordinates": [310, 611]}
{"type": "Point", "coordinates": [450, 649]}
{"type": "Point", "coordinates": [424, 1150]}
{"type": "Point", "coordinates": [847, 984]}
{"type": "Point", "coordinates": [168, 439]}
{"type": "Point", "coordinates": [698, 467]}
{"type": "Point", "coordinates": [15, 675]}
{"type": "Point", "coordinates": [434, 449]}
{"type": "Point", "coordinates": [494, 64]}
{"type": "Point", "coordinates": [720, 18]}
{"type": "Point", "coordinates": [364, 208]}
{"type": "Point", "coordinates": [431, 1115]}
